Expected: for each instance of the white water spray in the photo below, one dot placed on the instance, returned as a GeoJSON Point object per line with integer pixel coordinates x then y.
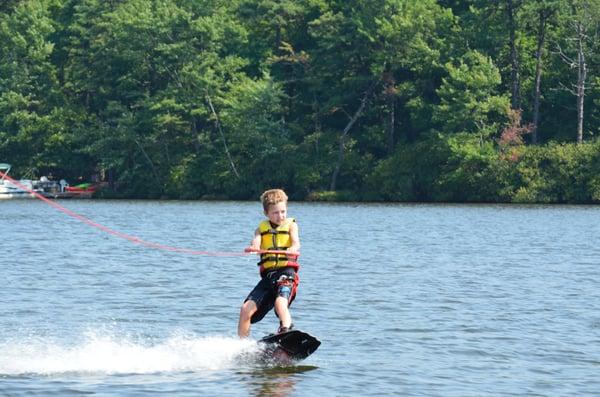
{"type": "Point", "coordinates": [101, 354]}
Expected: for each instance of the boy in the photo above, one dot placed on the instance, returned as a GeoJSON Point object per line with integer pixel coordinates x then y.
{"type": "Point", "coordinates": [279, 278]}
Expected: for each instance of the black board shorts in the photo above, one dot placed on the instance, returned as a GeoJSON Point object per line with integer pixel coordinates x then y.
{"type": "Point", "coordinates": [267, 289]}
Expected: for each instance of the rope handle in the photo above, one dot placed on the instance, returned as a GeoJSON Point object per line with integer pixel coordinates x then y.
{"type": "Point", "coordinates": [272, 252]}
{"type": "Point", "coordinates": [105, 229]}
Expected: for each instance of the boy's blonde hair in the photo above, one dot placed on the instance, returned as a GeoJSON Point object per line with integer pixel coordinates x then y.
{"type": "Point", "coordinates": [272, 197]}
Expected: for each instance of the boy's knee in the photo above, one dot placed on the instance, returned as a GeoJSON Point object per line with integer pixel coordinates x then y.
{"type": "Point", "coordinates": [281, 302]}
{"type": "Point", "coordinates": [248, 309]}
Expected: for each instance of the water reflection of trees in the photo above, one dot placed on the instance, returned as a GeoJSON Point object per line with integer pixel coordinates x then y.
{"type": "Point", "coordinates": [277, 381]}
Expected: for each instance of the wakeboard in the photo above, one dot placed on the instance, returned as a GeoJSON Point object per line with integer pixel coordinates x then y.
{"type": "Point", "coordinates": [289, 346]}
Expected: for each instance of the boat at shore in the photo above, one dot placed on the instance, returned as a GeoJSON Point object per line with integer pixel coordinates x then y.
{"type": "Point", "coordinates": [10, 190]}
{"type": "Point", "coordinates": [28, 188]}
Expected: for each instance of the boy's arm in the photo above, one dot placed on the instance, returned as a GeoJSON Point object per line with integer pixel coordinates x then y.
{"type": "Point", "coordinates": [255, 243]}
{"type": "Point", "coordinates": [295, 247]}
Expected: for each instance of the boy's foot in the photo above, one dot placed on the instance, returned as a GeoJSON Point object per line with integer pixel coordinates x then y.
{"type": "Point", "coordinates": [283, 329]}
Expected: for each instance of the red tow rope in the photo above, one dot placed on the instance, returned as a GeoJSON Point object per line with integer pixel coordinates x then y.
{"type": "Point", "coordinates": [133, 239]}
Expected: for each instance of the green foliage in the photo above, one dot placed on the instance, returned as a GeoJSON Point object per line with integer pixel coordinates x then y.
{"type": "Point", "coordinates": [468, 171]}
{"type": "Point", "coordinates": [468, 100]}
{"type": "Point", "coordinates": [333, 196]}
{"type": "Point", "coordinates": [222, 99]}
{"type": "Point", "coordinates": [458, 168]}
{"type": "Point", "coordinates": [410, 174]}
{"type": "Point", "coordinates": [559, 173]}
{"type": "Point", "coordinates": [32, 129]}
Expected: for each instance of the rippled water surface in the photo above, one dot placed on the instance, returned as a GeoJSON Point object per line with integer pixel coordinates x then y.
{"type": "Point", "coordinates": [414, 300]}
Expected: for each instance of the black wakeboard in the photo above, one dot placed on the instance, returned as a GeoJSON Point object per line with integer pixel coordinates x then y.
{"type": "Point", "coordinates": [289, 346]}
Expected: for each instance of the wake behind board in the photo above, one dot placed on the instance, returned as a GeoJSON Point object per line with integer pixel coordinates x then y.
{"type": "Point", "coordinates": [289, 346]}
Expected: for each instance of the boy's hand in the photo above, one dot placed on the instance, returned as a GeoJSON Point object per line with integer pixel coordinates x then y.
{"type": "Point", "coordinates": [293, 254]}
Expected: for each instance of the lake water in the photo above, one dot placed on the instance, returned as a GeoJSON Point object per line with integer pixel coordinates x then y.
{"type": "Point", "coordinates": [408, 300]}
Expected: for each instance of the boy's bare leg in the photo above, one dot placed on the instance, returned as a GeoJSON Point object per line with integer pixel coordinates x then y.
{"type": "Point", "coordinates": [248, 309]}
{"type": "Point", "coordinates": [283, 312]}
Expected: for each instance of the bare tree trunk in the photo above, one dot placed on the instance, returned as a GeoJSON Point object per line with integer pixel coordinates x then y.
{"type": "Point", "coordinates": [390, 92]}
{"type": "Point", "coordinates": [218, 125]}
{"type": "Point", "coordinates": [149, 160]}
{"type": "Point", "coordinates": [391, 124]}
{"type": "Point", "coordinates": [318, 127]}
{"type": "Point", "coordinates": [277, 39]}
{"type": "Point", "coordinates": [342, 144]}
{"type": "Point", "coordinates": [515, 100]}
{"type": "Point", "coordinates": [167, 154]}
{"type": "Point", "coordinates": [581, 77]}
{"type": "Point", "coordinates": [195, 134]}
{"type": "Point", "coordinates": [583, 21]}
{"type": "Point", "coordinates": [537, 93]}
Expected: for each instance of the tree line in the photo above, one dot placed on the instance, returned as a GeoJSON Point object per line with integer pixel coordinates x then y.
{"type": "Point", "coordinates": [393, 100]}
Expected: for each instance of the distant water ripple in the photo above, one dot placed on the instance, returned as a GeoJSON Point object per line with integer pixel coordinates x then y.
{"type": "Point", "coordinates": [415, 300]}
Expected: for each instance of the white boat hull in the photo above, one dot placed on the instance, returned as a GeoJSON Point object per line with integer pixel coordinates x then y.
{"type": "Point", "coordinates": [24, 195]}
{"type": "Point", "coordinates": [10, 191]}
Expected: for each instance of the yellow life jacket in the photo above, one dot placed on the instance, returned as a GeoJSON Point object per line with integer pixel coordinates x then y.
{"type": "Point", "coordinates": [275, 239]}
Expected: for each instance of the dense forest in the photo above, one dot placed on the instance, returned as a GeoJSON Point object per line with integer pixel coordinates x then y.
{"type": "Point", "coordinates": [379, 100]}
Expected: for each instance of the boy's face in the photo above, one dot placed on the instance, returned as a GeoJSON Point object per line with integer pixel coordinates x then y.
{"type": "Point", "coordinates": [277, 213]}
